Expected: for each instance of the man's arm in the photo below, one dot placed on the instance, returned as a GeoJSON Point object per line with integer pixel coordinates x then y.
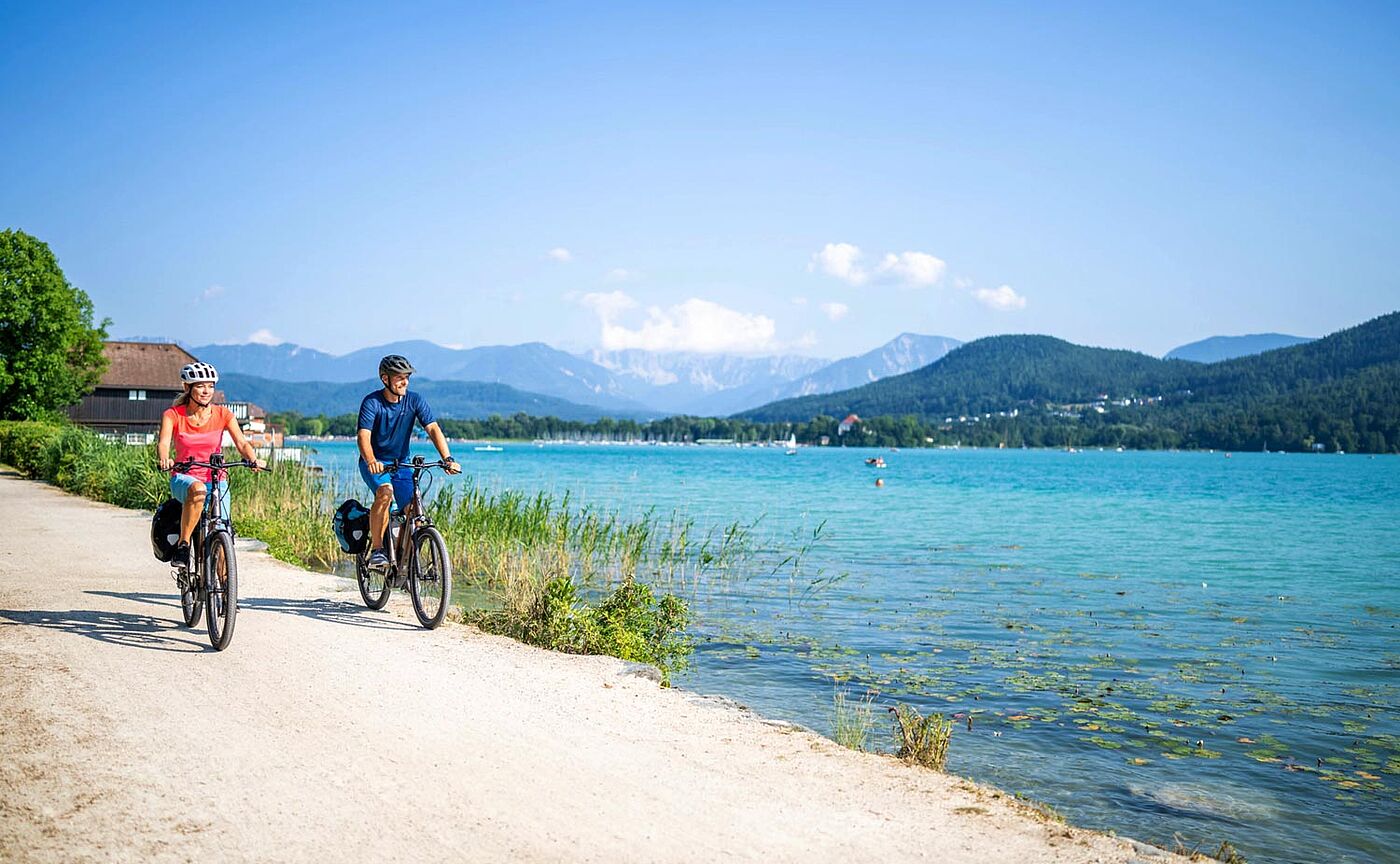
{"type": "Point", "coordinates": [440, 442]}
{"type": "Point", "coordinates": [362, 436]}
{"type": "Point", "coordinates": [367, 454]}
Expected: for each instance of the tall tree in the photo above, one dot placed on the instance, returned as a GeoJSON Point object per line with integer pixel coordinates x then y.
{"type": "Point", "coordinates": [50, 352]}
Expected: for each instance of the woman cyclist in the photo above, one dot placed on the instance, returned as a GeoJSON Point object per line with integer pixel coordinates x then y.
{"type": "Point", "coordinates": [197, 427]}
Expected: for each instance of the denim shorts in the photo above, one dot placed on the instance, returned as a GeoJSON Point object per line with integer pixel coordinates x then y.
{"type": "Point", "coordinates": [180, 489]}
{"type": "Point", "coordinates": [402, 480]}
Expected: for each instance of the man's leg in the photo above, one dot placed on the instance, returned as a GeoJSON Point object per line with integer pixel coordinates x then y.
{"type": "Point", "coordinates": [379, 516]}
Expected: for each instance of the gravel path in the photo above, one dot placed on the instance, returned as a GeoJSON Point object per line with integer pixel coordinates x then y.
{"type": "Point", "coordinates": [329, 732]}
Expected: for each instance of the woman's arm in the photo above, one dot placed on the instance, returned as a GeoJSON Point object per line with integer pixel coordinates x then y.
{"type": "Point", "coordinates": [167, 429]}
{"type": "Point", "coordinates": [242, 444]}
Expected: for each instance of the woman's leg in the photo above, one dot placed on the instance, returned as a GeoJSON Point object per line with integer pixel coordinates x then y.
{"type": "Point", "coordinates": [194, 505]}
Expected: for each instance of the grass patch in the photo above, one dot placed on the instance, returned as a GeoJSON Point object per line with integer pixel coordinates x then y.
{"type": "Point", "coordinates": [919, 739]}
{"type": "Point", "coordinates": [852, 721]}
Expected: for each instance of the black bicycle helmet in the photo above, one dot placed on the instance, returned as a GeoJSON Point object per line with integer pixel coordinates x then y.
{"type": "Point", "coordinates": [396, 364]}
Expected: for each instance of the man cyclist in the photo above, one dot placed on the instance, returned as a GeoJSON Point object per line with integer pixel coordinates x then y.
{"type": "Point", "coordinates": [384, 432]}
{"type": "Point", "coordinates": [196, 426]}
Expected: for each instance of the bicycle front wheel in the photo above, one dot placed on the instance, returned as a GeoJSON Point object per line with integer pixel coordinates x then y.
{"type": "Point", "coordinates": [429, 577]}
{"type": "Point", "coordinates": [190, 607]}
{"type": "Point", "coordinates": [374, 584]}
{"type": "Point", "coordinates": [221, 601]}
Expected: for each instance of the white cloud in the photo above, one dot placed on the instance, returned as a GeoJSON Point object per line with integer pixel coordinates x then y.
{"type": "Point", "coordinates": [835, 311]}
{"type": "Point", "coordinates": [914, 268]}
{"type": "Point", "coordinates": [264, 337]}
{"type": "Point", "coordinates": [696, 325]}
{"type": "Point", "coordinates": [1002, 299]}
{"type": "Point", "coordinates": [621, 274]}
{"type": "Point", "coordinates": [841, 260]}
{"type": "Point", "coordinates": [844, 261]}
{"type": "Point", "coordinates": [560, 254]}
{"type": "Point", "coordinates": [609, 305]}
{"type": "Point", "coordinates": [211, 292]}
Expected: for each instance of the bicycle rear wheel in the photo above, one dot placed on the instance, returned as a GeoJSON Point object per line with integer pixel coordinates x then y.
{"type": "Point", "coordinates": [374, 584]}
{"type": "Point", "coordinates": [429, 577]}
{"type": "Point", "coordinates": [221, 601]}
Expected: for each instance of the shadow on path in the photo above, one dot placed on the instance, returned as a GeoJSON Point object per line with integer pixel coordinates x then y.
{"type": "Point", "coordinates": [116, 628]}
{"type": "Point", "coordinates": [320, 609]}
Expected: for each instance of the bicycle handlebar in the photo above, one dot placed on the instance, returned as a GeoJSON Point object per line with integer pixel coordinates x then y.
{"type": "Point", "coordinates": [417, 463]}
{"type": "Point", "coordinates": [195, 463]}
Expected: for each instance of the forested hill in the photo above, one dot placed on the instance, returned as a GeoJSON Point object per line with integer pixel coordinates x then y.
{"type": "Point", "coordinates": [994, 374]}
{"type": "Point", "coordinates": [1340, 392]}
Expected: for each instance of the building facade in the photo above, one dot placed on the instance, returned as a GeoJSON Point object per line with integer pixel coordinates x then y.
{"type": "Point", "coordinates": [141, 381]}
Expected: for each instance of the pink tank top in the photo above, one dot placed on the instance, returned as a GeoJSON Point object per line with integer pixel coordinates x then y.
{"type": "Point", "coordinates": [198, 442]}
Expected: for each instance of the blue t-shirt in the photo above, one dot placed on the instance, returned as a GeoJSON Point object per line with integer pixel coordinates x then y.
{"type": "Point", "coordinates": [390, 424]}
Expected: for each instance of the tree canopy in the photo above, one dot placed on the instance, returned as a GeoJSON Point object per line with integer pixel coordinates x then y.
{"type": "Point", "coordinates": [50, 352]}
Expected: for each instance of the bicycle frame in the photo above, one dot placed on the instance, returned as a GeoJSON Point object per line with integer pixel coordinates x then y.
{"type": "Point", "coordinates": [212, 518]}
{"type": "Point", "coordinates": [415, 516]}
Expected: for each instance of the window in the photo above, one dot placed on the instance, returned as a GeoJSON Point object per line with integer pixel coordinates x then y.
{"type": "Point", "coordinates": [136, 395]}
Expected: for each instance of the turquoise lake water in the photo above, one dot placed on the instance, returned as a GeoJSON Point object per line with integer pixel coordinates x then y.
{"type": "Point", "coordinates": [1161, 644]}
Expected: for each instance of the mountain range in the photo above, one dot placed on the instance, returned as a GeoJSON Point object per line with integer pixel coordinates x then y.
{"type": "Point", "coordinates": [1218, 348]}
{"type": "Point", "coordinates": [458, 399]}
{"type": "Point", "coordinates": [1343, 388]}
{"type": "Point", "coordinates": [632, 383]}
{"type": "Point", "coordinates": [618, 383]}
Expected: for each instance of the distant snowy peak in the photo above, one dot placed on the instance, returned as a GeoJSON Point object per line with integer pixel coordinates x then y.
{"type": "Point", "coordinates": [702, 373]}
{"type": "Point", "coordinates": [904, 353]}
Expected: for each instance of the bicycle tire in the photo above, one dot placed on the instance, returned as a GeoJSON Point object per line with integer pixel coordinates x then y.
{"type": "Point", "coordinates": [429, 577]}
{"type": "Point", "coordinates": [221, 600]}
{"type": "Point", "coordinates": [190, 606]}
{"type": "Point", "coordinates": [374, 584]}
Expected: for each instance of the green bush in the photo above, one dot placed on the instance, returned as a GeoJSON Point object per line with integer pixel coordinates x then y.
{"type": "Point", "coordinates": [79, 461]}
{"type": "Point", "coordinates": [629, 623]}
{"type": "Point", "coordinates": [921, 740]}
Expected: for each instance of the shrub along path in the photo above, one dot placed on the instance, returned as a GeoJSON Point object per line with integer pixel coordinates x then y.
{"type": "Point", "coordinates": [328, 732]}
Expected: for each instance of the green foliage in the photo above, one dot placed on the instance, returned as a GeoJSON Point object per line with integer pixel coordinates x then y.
{"type": "Point", "coordinates": [50, 354]}
{"type": "Point", "coordinates": [852, 721]}
{"type": "Point", "coordinates": [629, 623]}
{"type": "Point", "coordinates": [77, 460]}
{"type": "Point", "coordinates": [921, 740]}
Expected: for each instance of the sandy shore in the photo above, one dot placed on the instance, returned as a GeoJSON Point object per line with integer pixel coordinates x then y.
{"type": "Point", "coordinates": [329, 732]}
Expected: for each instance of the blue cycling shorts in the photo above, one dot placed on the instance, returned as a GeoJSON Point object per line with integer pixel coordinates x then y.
{"type": "Point", "coordinates": [180, 485]}
{"type": "Point", "coordinates": [402, 480]}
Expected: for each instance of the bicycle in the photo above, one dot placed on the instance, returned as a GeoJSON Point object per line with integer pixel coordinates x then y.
{"type": "Point", "coordinates": [417, 556]}
{"type": "Point", "coordinates": [212, 588]}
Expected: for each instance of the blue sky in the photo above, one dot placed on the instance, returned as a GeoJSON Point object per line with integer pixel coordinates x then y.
{"type": "Point", "coordinates": [741, 177]}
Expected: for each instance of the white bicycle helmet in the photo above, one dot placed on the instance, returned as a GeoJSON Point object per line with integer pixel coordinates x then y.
{"type": "Point", "coordinates": [195, 373]}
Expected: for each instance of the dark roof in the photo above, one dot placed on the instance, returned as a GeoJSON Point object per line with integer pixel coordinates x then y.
{"type": "Point", "coordinates": [152, 365]}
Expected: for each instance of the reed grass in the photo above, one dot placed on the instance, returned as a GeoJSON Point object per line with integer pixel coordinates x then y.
{"type": "Point", "coordinates": [921, 740]}
{"type": "Point", "coordinates": [852, 721]}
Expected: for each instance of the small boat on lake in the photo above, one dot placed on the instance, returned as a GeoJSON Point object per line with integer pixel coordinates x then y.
{"type": "Point", "coordinates": [875, 462]}
{"type": "Point", "coordinates": [488, 448]}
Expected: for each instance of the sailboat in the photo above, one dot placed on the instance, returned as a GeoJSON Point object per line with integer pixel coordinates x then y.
{"type": "Point", "coordinates": [791, 445]}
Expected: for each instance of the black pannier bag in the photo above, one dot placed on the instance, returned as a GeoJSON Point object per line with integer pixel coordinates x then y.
{"type": "Point", "coordinates": [351, 526]}
{"type": "Point", "coordinates": [165, 529]}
